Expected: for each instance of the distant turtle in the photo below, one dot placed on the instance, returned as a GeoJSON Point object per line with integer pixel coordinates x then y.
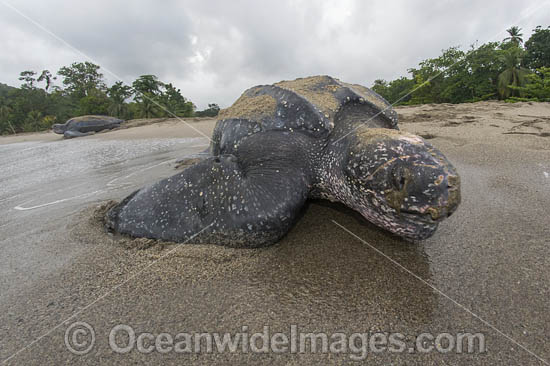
{"type": "Point", "coordinates": [279, 145]}
{"type": "Point", "coordinates": [86, 125]}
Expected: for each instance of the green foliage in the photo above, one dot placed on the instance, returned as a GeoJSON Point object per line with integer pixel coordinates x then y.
{"type": "Point", "coordinates": [537, 86]}
{"type": "Point", "coordinates": [515, 36]}
{"type": "Point", "coordinates": [21, 109]}
{"type": "Point", "coordinates": [32, 108]}
{"type": "Point", "coordinates": [48, 121]}
{"type": "Point", "coordinates": [32, 121]}
{"type": "Point", "coordinates": [381, 87]}
{"type": "Point", "coordinates": [80, 78]}
{"type": "Point", "coordinates": [174, 103]}
{"type": "Point", "coordinates": [495, 69]}
{"type": "Point", "coordinates": [24, 100]}
{"type": "Point", "coordinates": [96, 102]}
{"type": "Point", "coordinates": [480, 72]}
{"type": "Point", "coordinates": [5, 124]}
{"type": "Point", "coordinates": [133, 109]}
{"type": "Point", "coordinates": [147, 89]}
{"type": "Point", "coordinates": [118, 93]}
{"type": "Point", "coordinates": [157, 99]}
{"type": "Point", "coordinates": [513, 75]}
{"type": "Point", "coordinates": [396, 91]}
{"type": "Point", "coordinates": [47, 78]}
{"type": "Point", "coordinates": [5, 90]}
{"type": "Point", "coordinates": [439, 79]}
{"type": "Point", "coordinates": [516, 100]}
{"type": "Point", "coordinates": [537, 49]}
{"type": "Point", "coordinates": [458, 76]}
{"type": "Point", "coordinates": [28, 79]}
{"type": "Point", "coordinates": [212, 111]}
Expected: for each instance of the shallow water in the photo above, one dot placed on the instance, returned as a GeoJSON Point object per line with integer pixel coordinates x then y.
{"type": "Point", "coordinates": [44, 183]}
{"type": "Point", "coordinates": [35, 174]}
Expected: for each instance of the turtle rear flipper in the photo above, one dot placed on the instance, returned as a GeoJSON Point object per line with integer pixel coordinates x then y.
{"type": "Point", "coordinates": [249, 199]}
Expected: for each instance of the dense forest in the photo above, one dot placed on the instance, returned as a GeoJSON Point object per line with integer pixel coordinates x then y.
{"type": "Point", "coordinates": [511, 70]}
{"type": "Point", "coordinates": [39, 102]}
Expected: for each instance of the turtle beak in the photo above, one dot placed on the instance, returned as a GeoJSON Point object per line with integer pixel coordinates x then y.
{"type": "Point", "coordinates": [449, 202]}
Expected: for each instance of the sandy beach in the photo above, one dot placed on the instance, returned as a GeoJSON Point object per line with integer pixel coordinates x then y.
{"type": "Point", "coordinates": [486, 270]}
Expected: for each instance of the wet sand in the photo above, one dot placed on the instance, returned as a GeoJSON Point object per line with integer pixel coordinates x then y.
{"type": "Point", "coordinates": [491, 257]}
{"type": "Point", "coordinates": [132, 129]}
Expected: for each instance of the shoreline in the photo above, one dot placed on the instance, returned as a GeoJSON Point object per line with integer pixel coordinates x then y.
{"type": "Point", "coordinates": [471, 121]}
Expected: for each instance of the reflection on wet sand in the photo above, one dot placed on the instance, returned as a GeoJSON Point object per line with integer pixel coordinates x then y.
{"type": "Point", "coordinates": [319, 270]}
{"type": "Point", "coordinates": [318, 274]}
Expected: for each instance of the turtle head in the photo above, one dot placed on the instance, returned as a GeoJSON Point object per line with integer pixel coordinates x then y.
{"type": "Point", "coordinates": [400, 182]}
{"type": "Point", "coordinates": [58, 128]}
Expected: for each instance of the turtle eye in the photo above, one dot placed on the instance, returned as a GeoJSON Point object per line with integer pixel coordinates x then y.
{"type": "Point", "coordinates": [399, 177]}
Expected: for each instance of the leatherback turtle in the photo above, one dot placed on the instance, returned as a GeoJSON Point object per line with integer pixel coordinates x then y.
{"type": "Point", "coordinates": [279, 145]}
{"type": "Point", "coordinates": [86, 125]}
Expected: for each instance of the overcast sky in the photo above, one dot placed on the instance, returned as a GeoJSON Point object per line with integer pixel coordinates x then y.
{"type": "Point", "coordinates": [214, 50]}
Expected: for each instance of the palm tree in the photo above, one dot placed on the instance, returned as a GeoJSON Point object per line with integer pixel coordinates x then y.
{"type": "Point", "coordinates": [32, 122]}
{"type": "Point", "coordinates": [515, 35]}
{"type": "Point", "coordinates": [5, 118]}
{"type": "Point", "coordinates": [47, 77]}
{"type": "Point", "coordinates": [514, 74]}
{"type": "Point", "coordinates": [28, 78]}
{"type": "Point", "coordinates": [147, 89]}
{"type": "Point", "coordinates": [117, 109]}
{"type": "Point", "coordinates": [118, 93]}
{"type": "Point", "coordinates": [147, 106]}
{"type": "Point", "coordinates": [4, 112]}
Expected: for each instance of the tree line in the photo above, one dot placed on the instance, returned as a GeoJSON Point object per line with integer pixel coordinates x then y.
{"type": "Point", "coordinates": [509, 70]}
{"type": "Point", "coordinates": [39, 102]}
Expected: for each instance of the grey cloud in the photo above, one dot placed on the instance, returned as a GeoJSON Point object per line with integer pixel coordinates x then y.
{"type": "Point", "coordinates": [213, 50]}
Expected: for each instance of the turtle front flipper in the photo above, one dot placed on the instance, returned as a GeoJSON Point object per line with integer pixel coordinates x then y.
{"type": "Point", "coordinates": [71, 134]}
{"type": "Point", "coordinates": [191, 159]}
{"type": "Point", "coordinates": [249, 199]}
